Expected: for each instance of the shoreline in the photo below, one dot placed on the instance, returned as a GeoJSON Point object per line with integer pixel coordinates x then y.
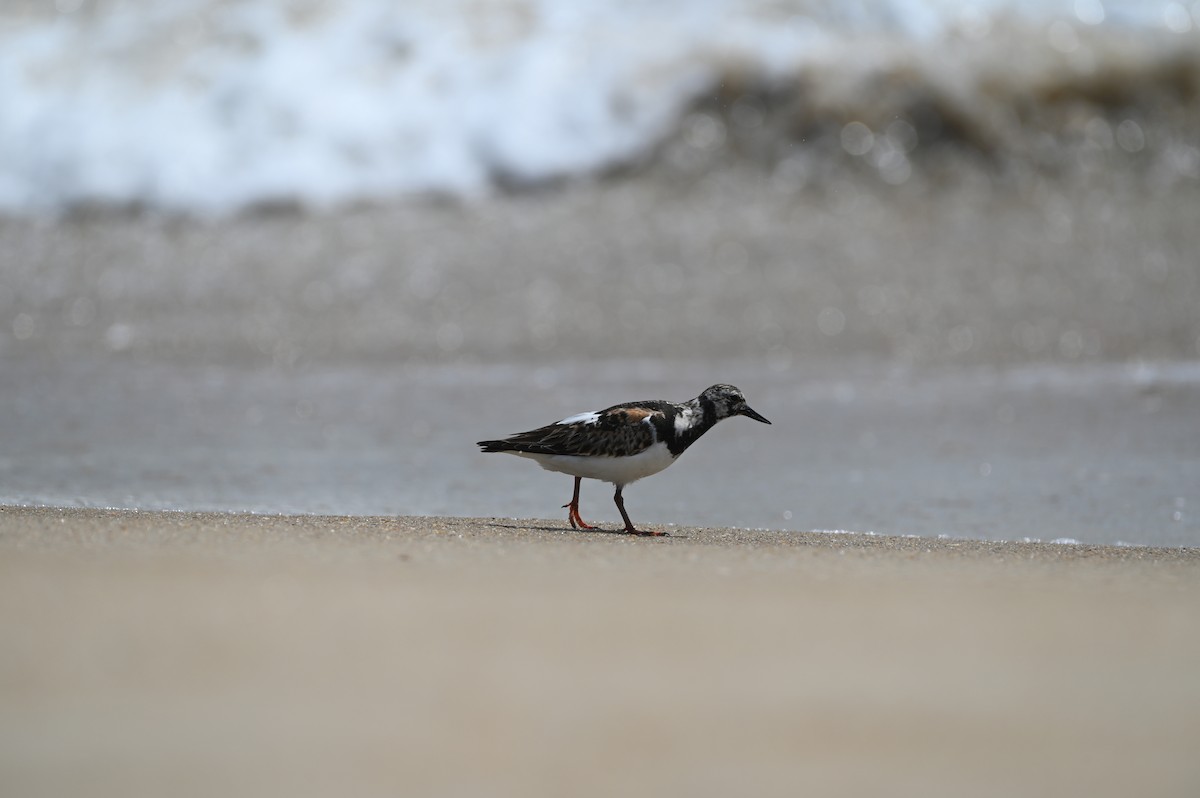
{"type": "Point", "coordinates": [23, 526]}
{"type": "Point", "coordinates": [111, 525]}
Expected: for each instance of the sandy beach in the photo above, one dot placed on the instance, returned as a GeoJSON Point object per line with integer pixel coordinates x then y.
{"type": "Point", "coordinates": [267, 271]}
{"type": "Point", "coordinates": [203, 654]}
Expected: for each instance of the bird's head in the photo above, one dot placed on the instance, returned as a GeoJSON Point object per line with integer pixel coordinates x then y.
{"type": "Point", "coordinates": [728, 401]}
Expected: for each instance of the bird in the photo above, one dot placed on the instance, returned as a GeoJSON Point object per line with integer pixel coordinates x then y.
{"type": "Point", "coordinates": [624, 443]}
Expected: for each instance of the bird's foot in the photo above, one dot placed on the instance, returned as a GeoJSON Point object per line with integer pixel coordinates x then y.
{"type": "Point", "coordinates": [647, 533]}
{"type": "Point", "coordinates": [573, 517]}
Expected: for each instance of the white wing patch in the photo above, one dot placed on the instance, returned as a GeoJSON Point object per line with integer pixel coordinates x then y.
{"type": "Point", "coordinates": [582, 418]}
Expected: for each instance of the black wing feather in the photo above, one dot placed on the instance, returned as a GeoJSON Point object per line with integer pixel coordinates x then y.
{"type": "Point", "coordinates": [618, 431]}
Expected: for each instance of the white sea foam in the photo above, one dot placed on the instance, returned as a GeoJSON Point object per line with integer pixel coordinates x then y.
{"type": "Point", "coordinates": [205, 105]}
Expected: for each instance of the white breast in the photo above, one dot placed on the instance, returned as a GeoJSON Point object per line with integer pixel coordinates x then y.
{"type": "Point", "coordinates": [617, 470]}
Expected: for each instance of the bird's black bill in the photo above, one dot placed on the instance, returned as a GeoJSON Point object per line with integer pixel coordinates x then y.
{"type": "Point", "coordinates": [746, 411]}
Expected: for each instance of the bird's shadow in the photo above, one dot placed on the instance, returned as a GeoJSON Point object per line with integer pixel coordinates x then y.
{"type": "Point", "coordinates": [585, 532]}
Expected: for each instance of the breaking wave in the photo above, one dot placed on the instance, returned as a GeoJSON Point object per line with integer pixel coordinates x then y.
{"type": "Point", "coordinates": [211, 107]}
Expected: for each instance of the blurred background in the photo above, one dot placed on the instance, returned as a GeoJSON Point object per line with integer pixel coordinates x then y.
{"type": "Point", "coordinates": [298, 256]}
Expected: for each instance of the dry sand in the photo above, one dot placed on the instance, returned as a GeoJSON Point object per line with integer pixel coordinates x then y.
{"type": "Point", "coordinates": [220, 654]}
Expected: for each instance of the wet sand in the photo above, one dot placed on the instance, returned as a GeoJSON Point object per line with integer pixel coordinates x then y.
{"type": "Point", "coordinates": [728, 266]}
{"type": "Point", "coordinates": [1102, 454]}
{"type": "Point", "coordinates": [201, 654]}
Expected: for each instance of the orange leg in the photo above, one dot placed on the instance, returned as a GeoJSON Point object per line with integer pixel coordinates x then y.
{"type": "Point", "coordinates": [573, 509]}
{"type": "Point", "coordinates": [629, 527]}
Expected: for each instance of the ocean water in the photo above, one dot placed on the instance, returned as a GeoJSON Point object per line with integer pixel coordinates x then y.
{"type": "Point", "coordinates": [969, 363]}
{"type": "Point", "coordinates": [1088, 454]}
{"type": "Point", "coordinates": [299, 256]}
{"type": "Point", "coordinates": [209, 106]}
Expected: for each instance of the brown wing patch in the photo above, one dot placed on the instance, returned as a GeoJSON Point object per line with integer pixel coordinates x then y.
{"type": "Point", "coordinates": [634, 415]}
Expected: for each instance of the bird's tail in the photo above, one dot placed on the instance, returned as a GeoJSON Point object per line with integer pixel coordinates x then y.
{"type": "Point", "coordinates": [496, 446]}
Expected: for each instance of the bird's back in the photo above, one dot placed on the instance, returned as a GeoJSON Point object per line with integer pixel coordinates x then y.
{"type": "Point", "coordinates": [619, 431]}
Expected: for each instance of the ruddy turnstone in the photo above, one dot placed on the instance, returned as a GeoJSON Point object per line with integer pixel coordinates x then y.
{"type": "Point", "coordinates": [624, 443]}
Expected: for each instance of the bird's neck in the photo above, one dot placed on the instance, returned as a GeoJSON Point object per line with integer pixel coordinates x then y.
{"type": "Point", "coordinates": [695, 419]}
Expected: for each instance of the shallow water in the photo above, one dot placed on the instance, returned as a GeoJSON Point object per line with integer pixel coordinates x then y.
{"type": "Point", "coordinates": [728, 266]}
{"type": "Point", "coordinates": [946, 361]}
{"type": "Point", "coordinates": [1095, 454]}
